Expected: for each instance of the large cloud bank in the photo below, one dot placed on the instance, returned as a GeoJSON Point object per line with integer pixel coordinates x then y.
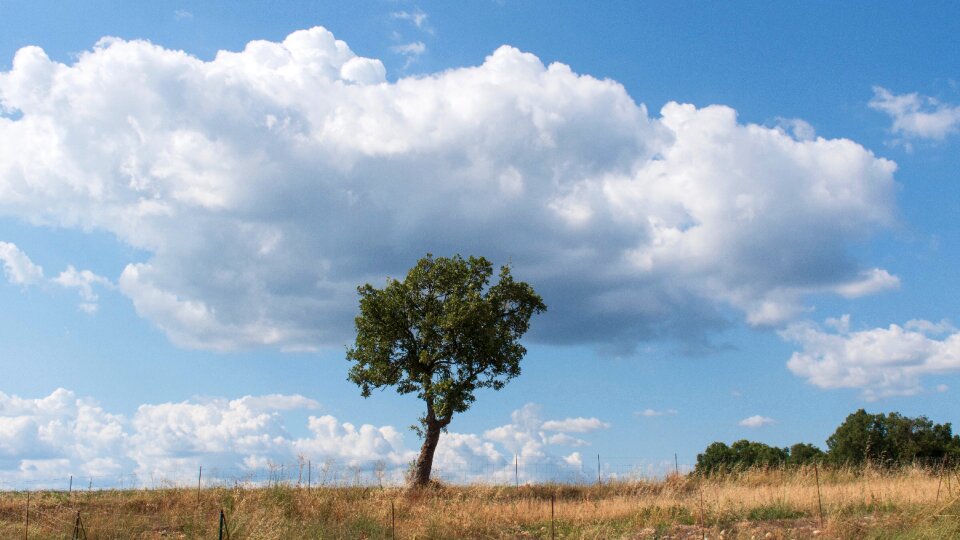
{"type": "Point", "coordinates": [44, 441]}
{"type": "Point", "coordinates": [266, 184]}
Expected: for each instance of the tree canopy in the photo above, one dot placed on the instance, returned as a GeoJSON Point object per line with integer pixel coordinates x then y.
{"type": "Point", "coordinates": [891, 439]}
{"type": "Point", "coordinates": [441, 333]}
{"type": "Point", "coordinates": [879, 439]}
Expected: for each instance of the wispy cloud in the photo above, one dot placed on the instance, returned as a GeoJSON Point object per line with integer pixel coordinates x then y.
{"type": "Point", "coordinates": [83, 281]}
{"type": "Point", "coordinates": [649, 413]}
{"type": "Point", "coordinates": [416, 17]}
{"type": "Point", "coordinates": [20, 270]}
{"type": "Point", "coordinates": [415, 48]}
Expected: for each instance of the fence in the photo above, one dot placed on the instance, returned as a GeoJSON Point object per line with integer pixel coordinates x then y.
{"type": "Point", "coordinates": [213, 505]}
{"type": "Point", "coordinates": [334, 473]}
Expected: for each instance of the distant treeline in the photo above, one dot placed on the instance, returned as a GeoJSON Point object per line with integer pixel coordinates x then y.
{"type": "Point", "coordinates": [878, 439]}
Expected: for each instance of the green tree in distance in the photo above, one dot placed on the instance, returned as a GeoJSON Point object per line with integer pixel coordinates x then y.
{"type": "Point", "coordinates": [442, 333]}
{"type": "Point", "coordinates": [891, 439]}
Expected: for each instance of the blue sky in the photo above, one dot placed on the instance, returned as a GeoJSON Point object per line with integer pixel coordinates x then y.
{"type": "Point", "coordinates": [741, 216]}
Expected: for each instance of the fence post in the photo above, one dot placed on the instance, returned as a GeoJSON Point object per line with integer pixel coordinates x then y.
{"type": "Point", "coordinates": [223, 522]}
{"type": "Point", "coordinates": [79, 532]}
{"type": "Point", "coordinates": [816, 471]}
{"type": "Point", "coordinates": [940, 477]}
{"type": "Point", "coordinates": [703, 519]}
{"type": "Point", "coordinates": [516, 470]}
{"type": "Point", "coordinates": [552, 534]}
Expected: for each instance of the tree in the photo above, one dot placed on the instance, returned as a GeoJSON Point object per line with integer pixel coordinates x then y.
{"type": "Point", "coordinates": [805, 454]}
{"type": "Point", "coordinates": [891, 439]}
{"type": "Point", "coordinates": [442, 333]}
{"type": "Point", "coordinates": [742, 455]}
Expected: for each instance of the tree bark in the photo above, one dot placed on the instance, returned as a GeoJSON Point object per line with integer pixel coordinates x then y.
{"type": "Point", "coordinates": [424, 463]}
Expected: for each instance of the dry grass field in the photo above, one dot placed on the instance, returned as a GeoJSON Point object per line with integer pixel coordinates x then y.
{"type": "Point", "coordinates": [909, 503]}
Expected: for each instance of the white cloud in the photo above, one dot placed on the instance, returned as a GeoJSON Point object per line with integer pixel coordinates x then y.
{"type": "Point", "coordinates": [414, 49]}
{"type": "Point", "coordinates": [756, 421]}
{"type": "Point", "coordinates": [18, 267]}
{"type": "Point", "coordinates": [21, 270]}
{"type": "Point", "coordinates": [799, 128]}
{"type": "Point", "coordinates": [575, 425]}
{"type": "Point", "coordinates": [58, 435]}
{"type": "Point", "coordinates": [880, 361]}
{"type": "Point", "coordinates": [266, 184]}
{"type": "Point", "coordinates": [916, 116]}
{"type": "Point", "coordinates": [44, 441]}
{"type": "Point", "coordinates": [83, 281]}
{"type": "Point", "coordinates": [649, 413]}
{"type": "Point", "coordinates": [417, 17]}
{"type": "Point", "coordinates": [869, 282]}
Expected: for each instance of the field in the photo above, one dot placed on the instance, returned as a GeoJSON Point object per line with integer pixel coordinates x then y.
{"type": "Point", "coordinates": [909, 503]}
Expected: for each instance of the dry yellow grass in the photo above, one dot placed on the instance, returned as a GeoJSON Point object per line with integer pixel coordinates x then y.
{"type": "Point", "coordinates": [751, 504]}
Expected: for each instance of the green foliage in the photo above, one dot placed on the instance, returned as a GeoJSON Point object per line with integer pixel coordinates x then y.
{"type": "Point", "coordinates": [743, 454]}
{"type": "Point", "coordinates": [805, 454]}
{"type": "Point", "coordinates": [880, 439]}
{"type": "Point", "coordinates": [442, 333]}
{"type": "Point", "coordinates": [891, 439]}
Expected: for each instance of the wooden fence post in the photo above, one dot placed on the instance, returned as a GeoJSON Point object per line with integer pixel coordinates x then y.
{"type": "Point", "coordinates": [703, 520]}
{"type": "Point", "coordinates": [552, 534]}
{"type": "Point", "coordinates": [816, 471]}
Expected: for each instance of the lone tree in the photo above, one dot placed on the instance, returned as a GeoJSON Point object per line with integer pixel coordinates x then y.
{"type": "Point", "coordinates": [442, 332]}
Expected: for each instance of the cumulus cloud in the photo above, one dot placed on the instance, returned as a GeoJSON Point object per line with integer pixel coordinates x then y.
{"type": "Point", "coordinates": [48, 439]}
{"type": "Point", "coordinates": [756, 421]}
{"type": "Point", "coordinates": [880, 362]}
{"type": "Point", "coordinates": [58, 435]}
{"type": "Point", "coordinates": [915, 116]}
{"type": "Point", "coordinates": [18, 267]}
{"type": "Point", "coordinates": [266, 184]}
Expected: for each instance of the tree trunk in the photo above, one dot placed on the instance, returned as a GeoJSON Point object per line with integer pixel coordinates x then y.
{"type": "Point", "coordinates": [424, 464]}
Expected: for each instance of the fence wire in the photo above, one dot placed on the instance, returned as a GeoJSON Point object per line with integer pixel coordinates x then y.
{"type": "Point", "coordinates": [338, 474]}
